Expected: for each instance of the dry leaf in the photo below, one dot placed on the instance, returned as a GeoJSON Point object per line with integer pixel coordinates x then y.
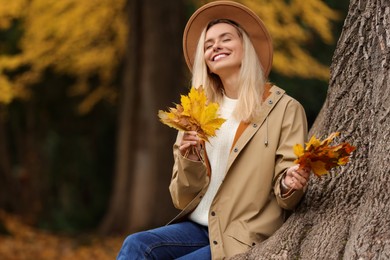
{"type": "Point", "coordinates": [320, 157]}
{"type": "Point", "coordinates": [194, 113]}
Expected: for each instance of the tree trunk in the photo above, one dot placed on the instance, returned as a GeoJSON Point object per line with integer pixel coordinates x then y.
{"type": "Point", "coordinates": [6, 194]}
{"type": "Point", "coordinates": [21, 168]}
{"type": "Point", "coordinates": [346, 215]}
{"type": "Point", "coordinates": [143, 163]}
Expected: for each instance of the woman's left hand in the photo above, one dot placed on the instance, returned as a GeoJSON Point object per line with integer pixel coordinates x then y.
{"type": "Point", "coordinates": [296, 178]}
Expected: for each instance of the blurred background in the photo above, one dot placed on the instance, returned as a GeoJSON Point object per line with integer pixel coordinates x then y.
{"type": "Point", "coordinates": [83, 158]}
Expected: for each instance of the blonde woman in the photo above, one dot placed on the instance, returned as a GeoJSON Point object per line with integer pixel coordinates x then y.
{"type": "Point", "coordinates": [234, 191]}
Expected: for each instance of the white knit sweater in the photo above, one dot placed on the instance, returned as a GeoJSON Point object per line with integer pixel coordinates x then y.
{"type": "Point", "coordinates": [218, 152]}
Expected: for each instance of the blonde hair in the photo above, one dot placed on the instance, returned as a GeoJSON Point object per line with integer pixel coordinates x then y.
{"type": "Point", "coordinates": [251, 77]}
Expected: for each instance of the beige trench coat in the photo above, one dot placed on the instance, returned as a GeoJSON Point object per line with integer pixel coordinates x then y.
{"type": "Point", "coordinates": [248, 207]}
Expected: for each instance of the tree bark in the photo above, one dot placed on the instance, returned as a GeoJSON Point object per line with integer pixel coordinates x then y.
{"type": "Point", "coordinates": [143, 163]}
{"type": "Point", "coordinates": [346, 215]}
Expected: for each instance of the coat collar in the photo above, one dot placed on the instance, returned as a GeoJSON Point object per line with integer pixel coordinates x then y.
{"type": "Point", "coordinates": [245, 131]}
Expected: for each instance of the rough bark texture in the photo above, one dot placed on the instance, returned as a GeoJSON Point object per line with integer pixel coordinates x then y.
{"type": "Point", "coordinates": [143, 164]}
{"type": "Point", "coordinates": [346, 215]}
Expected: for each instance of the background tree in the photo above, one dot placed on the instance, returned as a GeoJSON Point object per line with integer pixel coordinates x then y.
{"type": "Point", "coordinates": [346, 215]}
{"type": "Point", "coordinates": [153, 78]}
{"type": "Point", "coordinates": [58, 60]}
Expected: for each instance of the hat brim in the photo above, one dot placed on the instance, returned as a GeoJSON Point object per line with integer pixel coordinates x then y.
{"type": "Point", "coordinates": [238, 13]}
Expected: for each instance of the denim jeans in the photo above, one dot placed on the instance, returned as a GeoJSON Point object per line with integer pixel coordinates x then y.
{"type": "Point", "coordinates": [185, 240]}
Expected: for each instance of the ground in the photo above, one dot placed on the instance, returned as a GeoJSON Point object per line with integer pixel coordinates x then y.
{"type": "Point", "coordinates": [24, 242]}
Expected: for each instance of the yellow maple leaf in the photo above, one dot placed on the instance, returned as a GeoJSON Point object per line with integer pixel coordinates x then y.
{"type": "Point", "coordinates": [313, 142]}
{"type": "Point", "coordinates": [319, 168]}
{"type": "Point", "coordinates": [320, 157]}
{"type": "Point", "coordinates": [194, 113]}
{"type": "Point", "coordinates": [298, 150]}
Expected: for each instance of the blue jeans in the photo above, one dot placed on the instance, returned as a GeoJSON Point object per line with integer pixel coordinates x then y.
{"type": "Point", "coordinates": [185, 240]}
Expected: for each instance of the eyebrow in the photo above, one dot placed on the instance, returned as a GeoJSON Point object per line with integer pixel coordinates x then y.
{"type": "Point", "coordinates": [219, 36]}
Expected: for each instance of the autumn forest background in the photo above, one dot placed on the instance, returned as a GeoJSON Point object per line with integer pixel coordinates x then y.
{"type": "Point", "coordinates": [83, 158]}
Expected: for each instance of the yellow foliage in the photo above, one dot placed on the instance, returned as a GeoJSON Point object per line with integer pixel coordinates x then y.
{"type": "Point", "coordinates": [291, 25]}
{"type": "Point", "coordinates": [79, 38]}
{"type": "Point", "coordinates": [10, 10]}
{"type": "Point", "coordinates": [5, 90]}
{"type": "Point", "coordinates": [194, 114]}
{"type": "Point", "coordinates": [95, 96]}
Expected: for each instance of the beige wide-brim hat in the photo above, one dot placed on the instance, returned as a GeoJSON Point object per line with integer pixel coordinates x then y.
{"type": "Point", "coordinates": [236, 12]}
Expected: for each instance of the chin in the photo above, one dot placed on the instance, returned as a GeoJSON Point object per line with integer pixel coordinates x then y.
{"type": "Point", "coordinates": [224, 69]}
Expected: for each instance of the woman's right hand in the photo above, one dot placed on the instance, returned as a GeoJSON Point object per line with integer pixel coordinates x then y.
{"type": "Point", "coordinates": [190, 145]}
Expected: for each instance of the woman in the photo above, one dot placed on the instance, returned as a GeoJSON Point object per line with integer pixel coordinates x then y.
{"type": "Point", "coordinates": [234, 190]}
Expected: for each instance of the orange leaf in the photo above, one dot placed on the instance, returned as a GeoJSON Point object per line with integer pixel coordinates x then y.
{"type": "Point", "coordinates": [320, 157]}
{"type": "Point", "coordinates": [318, 168]}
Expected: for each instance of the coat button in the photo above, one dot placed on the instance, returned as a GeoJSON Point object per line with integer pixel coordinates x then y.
{"type": "Point", "coordinates": [254, 125]}
{"type": "Point", "coordinates": [215, 242]}
{"type": "Point", "coordinates": [235, 150]}
{"type": "Point", "coordinates": [278, 92]}
{"type": "Point", "coordinates": [212, 213]}
{"type": "Point", "coordinates": [270, 102]}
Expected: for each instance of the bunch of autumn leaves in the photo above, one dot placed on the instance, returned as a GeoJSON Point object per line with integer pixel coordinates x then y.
{"type": "Point", "coordinates": [195, 113]}
{"type": "Point", "coordinates": [320, 156]}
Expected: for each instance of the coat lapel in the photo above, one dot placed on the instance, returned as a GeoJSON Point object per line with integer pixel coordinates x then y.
{"type": "Point", "coordinates": [246, 131]}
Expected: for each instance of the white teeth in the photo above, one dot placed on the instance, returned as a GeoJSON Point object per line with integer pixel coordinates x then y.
{"type": "Point", "coordinates": [219, 56]}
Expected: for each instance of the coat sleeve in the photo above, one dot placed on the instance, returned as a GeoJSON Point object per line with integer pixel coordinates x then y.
{"type": "Point", "coordinates": [294, 131]}
{"type": "Point", "coordinates": [188, 178]}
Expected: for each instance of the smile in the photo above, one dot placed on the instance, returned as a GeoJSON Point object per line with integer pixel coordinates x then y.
{"type": "Point", "coordinates": [219, 56]}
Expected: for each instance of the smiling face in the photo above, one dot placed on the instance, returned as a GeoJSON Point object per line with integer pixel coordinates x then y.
{"type": "Point", "coordinates": [223, 50]}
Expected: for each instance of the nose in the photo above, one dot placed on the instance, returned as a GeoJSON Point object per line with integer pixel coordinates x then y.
{"type": "Point", "coordinates": [216, 47]}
